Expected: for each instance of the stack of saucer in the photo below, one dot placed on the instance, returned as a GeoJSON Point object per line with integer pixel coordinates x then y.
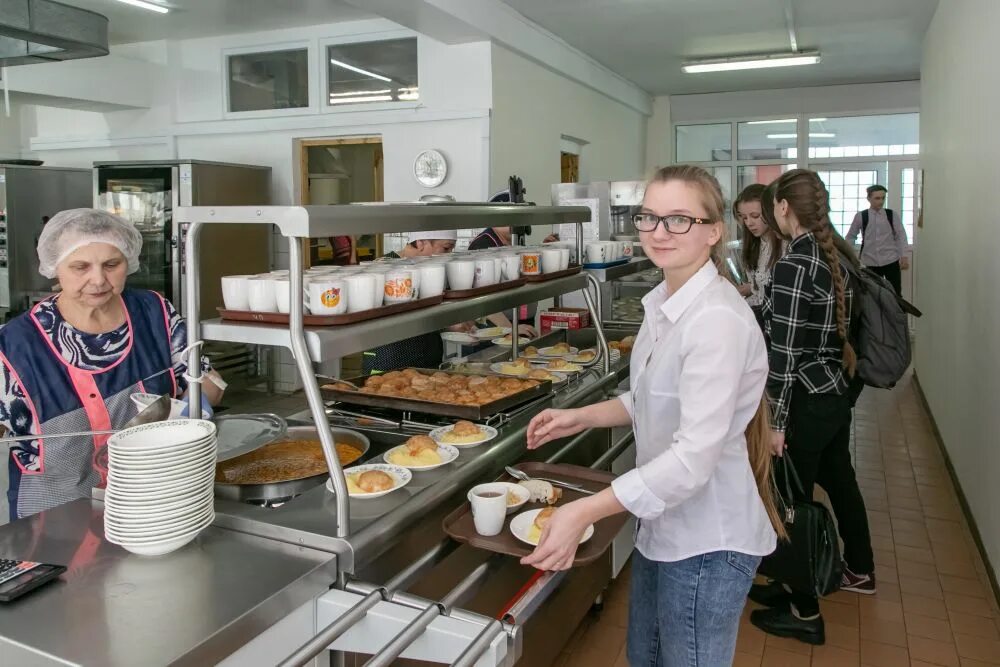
{"type": "Point", "coordinates": [160, 485]}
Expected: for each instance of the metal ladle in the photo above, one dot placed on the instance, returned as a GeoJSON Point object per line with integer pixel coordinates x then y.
{"type": "Point", "coordinates": [156, 411]}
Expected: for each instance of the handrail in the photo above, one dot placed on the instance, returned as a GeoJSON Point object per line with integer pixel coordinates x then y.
{"type": "Point", "coordinates": [614, 451]}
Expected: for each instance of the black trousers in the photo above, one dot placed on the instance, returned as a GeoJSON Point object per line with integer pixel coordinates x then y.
{"type": "Point", "coordinates": [892, 273]}
{"type": "Point", "coordinates": [818, 438]}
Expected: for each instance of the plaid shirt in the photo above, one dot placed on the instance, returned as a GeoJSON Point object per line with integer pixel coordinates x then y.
{"type": "Point", "coordinates": [800, 319]}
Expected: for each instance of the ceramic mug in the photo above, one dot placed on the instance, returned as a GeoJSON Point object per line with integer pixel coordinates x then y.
{"type": "Point", "coordinates": [550, 260]}
{"type": "Point", "coordinates": [629, 249]}
{"type": "Point", "coordinates": [398, 286]}
{"type": "Point", "coordinates": [432, 279]}
{"type": "Point", "coordinates": [378, 287]}
{"type": "Point", "coordinates": [261, 295]}
{"type": "Point", "coordinates": [489, 508]}
{"type": "Point", "coordinates": [484, 275]}
{"type": "Point", "coordinates": [236, 292]}
{"type": "Point", "coordinates": [327, 296]}
{"type": "Point", "coordinates": [510, 268]}
{"type": "Point", "coordinates": [531, 263]}
{"type": "Point", "coordinates": [596, 253]}
{"type": "Point", "coordinates": [360, 287]}
{"type": "Point", "coordinates": [563, 258]}
{"type": "Point", "coordinates": [461, 274]}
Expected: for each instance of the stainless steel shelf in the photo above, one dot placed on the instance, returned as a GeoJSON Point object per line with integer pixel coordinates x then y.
{"type": "Point", "coordinates": [357, 219]}
{"type": "Point", "coordinates": [635, 265]}
{"type": "Point", "coordinates": [335, 342]}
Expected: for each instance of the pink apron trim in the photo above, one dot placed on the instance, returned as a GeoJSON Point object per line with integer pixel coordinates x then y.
{"type": "Point", "coordinates": [166, 327]}
{"type": "Point", "coordinates": [34, 416]}
{"type": "Point", "coordinates": [97, 412]}
{"type": "Point", "coordinates": [48, 341]}
{"type": "Point", "coordinates": [173, 381]}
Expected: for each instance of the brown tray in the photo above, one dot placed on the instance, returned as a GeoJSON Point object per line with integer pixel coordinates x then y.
{"type": "Point", "coordinates": [459, 524]}
{"type": "Point", "coordinates": [479, 291]}
{"type": "Point", "coordinates": [470, 412]}
{"type": "Point", "coordinates": [331, 320]}
{"type": "Point", "coordinates": [542, 277]}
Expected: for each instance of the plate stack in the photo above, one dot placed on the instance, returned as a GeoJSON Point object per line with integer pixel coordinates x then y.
{"type": "Point", "coordinates": [160, 485]}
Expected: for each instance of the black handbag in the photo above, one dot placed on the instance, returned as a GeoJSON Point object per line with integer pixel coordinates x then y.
{"type": "Point", "coordinates": [809, 561]}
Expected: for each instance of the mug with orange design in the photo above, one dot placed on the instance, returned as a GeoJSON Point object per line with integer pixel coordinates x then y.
{"type": "Point", "coordinates": [327, 297]}
{"type": "Point", "coordinates": [398, 286]}
{"type": "Point", "coordinates": [531, 263]}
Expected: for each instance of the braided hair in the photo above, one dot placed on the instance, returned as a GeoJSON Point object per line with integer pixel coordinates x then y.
{"type": "Point", "coordinates": [809, 200]}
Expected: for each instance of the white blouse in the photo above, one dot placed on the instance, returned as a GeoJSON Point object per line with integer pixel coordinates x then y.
{"type": "Point", "coordinates": [760, 276]}
{"type": "Point", "coordinates": [698, 370]}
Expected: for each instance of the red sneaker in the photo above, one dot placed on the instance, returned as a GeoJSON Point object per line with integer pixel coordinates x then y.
{"type": "Point", "coordinates": [858, 583]}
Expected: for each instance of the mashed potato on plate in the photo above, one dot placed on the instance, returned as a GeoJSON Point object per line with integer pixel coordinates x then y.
{"type": "Point", "coordinates": [425, 457]}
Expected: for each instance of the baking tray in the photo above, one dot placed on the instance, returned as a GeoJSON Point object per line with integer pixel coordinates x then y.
{"type": "Point", "coordinates": [470, 412]}
{"type": "Point", "coordinates": [461, 528]}
{"type": "Point", "coordinates": [542, 277]}
{"type": "Point", "coordinates": [479, 291]}
{"type": "Point", "coordinates": [331, 320]}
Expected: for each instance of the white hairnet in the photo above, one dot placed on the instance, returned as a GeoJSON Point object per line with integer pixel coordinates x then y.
{"type": "Point", "coordinates": [74, 228]}
{"type": "Point", "coordinates": [446, 235]}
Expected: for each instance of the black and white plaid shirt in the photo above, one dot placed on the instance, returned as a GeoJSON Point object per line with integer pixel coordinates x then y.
{"type": "Point", "coordinates": [800, 317]}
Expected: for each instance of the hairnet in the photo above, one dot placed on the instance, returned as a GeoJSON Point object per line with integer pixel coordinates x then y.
{"type": "Point", "coordinates": [446, 235]}
{"type": "Point", "coordinates": [74, 228]}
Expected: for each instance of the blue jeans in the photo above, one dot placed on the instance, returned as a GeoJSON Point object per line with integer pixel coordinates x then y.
{"type": "Point", "coordinates": [687, 613]}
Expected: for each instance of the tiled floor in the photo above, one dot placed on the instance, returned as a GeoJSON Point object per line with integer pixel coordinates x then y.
{"type": "Point", "coordinates": [934, 605]}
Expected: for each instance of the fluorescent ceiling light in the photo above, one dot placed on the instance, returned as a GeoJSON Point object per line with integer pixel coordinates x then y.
{"type": "Point", "coordinates": [360, 71]}
{"type": "Point", "coordinates": [812, 135]}
{"type": "Point", "coordinates": [751, 62]}
{"type": "Point", "coordinates": [771, 122]}
{"type": "Point", "coordinates": [146, 5]}
{"type": "Point", "coordinates": [818, 120]}
{"type": "Point", "coordinates": [354, 93]}
{"type": "Point", "coordinates": [365, 98]}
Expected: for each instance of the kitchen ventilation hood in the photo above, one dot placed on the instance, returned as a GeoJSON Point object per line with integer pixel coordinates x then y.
{"type": "Point", "coordinates": [41, 31]}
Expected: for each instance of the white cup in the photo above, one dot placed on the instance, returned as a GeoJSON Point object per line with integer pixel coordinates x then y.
{"type": "Point", "coordinates": [360, 292]}
{"type": "Point", "coordinates": [596, 253]}
{"type": "Point", "coordinates": [510, 267]}
{"type": "Point", "coordinates": [432, 279]}
{"type": "Point", "coordinates": [550, 260]}
{"type": "Point", "coordinates": [628, 250]}
{"type": "Point", "coordinates": [497, 267]}
{"type": "Point", "coordinates": [531, 263]}
{"type": "Point", "coordinates": [261, 295]}
{"type": "Point", "coordinates": [563, 258]}
{"type": "Point", "coordinates": [461, 274]}
{"type": "Point", "coordinates": [327, 296]}
{"type": "Point", "coordinates": [485, 273]}
{"type": "Point", "coordinates": [414, 270]}
{"type": "Point", "coordinates": [281, 295]}
{"type": "Point", "coordinates": [489, 508]}
{"type": "Point", "coordinates": [236, 292]}
{"type": "Point", "coordinates": [378, 287]}
{"type": "Point", "coordinates": [398, 286]}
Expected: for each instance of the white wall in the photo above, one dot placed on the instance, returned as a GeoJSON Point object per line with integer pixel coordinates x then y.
{"type": "Point", "coordinates": [659, 135]}
{"type": "Point", "coordinates": [957, 343]}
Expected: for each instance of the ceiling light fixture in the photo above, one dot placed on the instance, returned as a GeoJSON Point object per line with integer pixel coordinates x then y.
{"type": "Point", "coordinates": [360, 71]}
{"type": "Point", "coordinates": [812, 135]}
{"type": "Point", "coordinates": [146, 5]}
{"type": "Point", "coordinates": [782, 121]}
{"type": "Point", "coordinates": [751, 62]}
{"type": "Point", "coordinates": [365, 98]}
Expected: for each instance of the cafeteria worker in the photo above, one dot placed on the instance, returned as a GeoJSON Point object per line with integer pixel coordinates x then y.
{"type": "Point", "coordinates": [71, 362]}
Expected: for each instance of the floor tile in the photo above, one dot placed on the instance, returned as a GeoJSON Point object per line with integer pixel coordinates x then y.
{"type": "Point", "coordinates": [739, 660]}
{"type": "Point", "coordinates": [930, 588]}
{"type": "Point", "coordinates": [926, 626]}
{"type": "Point", "coordinates": [831, 656]}
{"type": "Point", "coordinates": [968, 604]}
{"type": "Point", "coordinates": [884, 632]}
{"type": "Point", "coordinates": [963, 586]}
{"type": "Point", "coordinates": [909, 568]}
{"type": "Point", "coordinates": [884, 655]}
{"type": "Point", "coordinates": [843, 636]}
{"type": "Point", "coordinates": [918, 604]}
{"type": "Point", "coordinates": [786, 644]}
{"type": "Point", "coordinates": [977, 648]}
{"type": "Point", "coordinates": [933, 651]}
{"type": "Point", "coordinates": [775, 657]}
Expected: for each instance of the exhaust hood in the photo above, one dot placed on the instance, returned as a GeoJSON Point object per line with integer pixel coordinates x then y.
{"type": "Point", "coordinates": [40, 31]}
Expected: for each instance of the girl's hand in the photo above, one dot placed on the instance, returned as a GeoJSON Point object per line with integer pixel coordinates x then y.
{"type": "Point", "coordinates": [552, 424]}
{"type": "Point", "coordinates": [745, 289]}
{"type": "Point", "coordinates": [778, 443]}
{"type": "Point", "coordinates": [560, 539]}
{"type": "Point", "coordinates": [526, 330]}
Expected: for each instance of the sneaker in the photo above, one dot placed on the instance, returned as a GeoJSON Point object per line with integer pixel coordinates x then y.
{"type": "Point", "coordinates": [858, 583]}
{"type": "Point", "coordinates": [783, 623]}
{"type": "Point", "coordinates": [771, 594]}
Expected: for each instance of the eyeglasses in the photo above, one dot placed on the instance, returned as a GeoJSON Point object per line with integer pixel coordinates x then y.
{"type": "Point", "coordinates": [675, 224]}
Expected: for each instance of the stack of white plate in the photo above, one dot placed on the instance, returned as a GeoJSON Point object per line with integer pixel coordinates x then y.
{"type": "Point", "coordinates": [160, 485]}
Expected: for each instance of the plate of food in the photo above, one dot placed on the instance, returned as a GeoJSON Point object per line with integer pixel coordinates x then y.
{"type": "Point", "coordinates": [374, 480]}
{"type": "Point", "coordinates": [558, 350]}
{"type": "Point", "coordinates": [517, 368]}
{"type": "Point", "coordinates": [543, 374]}
{"type": "Point", "coordinates": [562, 366]}
{"type": "Point", "coordinates": [527, 526]}
{"type": "Point", "coordinates": [530, 352]}
{"type": "Point", "coordinates": [492, 332]}
{"type": "Point", "coordinates": [421, 453]}
{"type": "Point", "coordinates": [463, 434]}
{"type": "Point", "coordinates": [506, 340]}
{"type": "Point", "coordinates": [459, 337]}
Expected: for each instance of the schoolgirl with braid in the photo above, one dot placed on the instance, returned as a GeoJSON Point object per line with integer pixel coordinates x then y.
{"type": "Point", "coordinates": [806, 312]}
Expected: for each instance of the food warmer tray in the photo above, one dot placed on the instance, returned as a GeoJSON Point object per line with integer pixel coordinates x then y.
{"type": "Point", "coordinates": [470, 412]}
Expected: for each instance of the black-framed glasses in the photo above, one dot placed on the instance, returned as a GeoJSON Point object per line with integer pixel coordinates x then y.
{"type": "Point", "coordinates": [675, 224]}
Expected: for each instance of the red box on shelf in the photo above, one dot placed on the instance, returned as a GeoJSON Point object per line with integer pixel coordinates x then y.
{"type": "Point", "coordinates": [565, 318]}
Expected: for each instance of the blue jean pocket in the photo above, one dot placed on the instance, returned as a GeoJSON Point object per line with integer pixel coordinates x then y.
{"type": "Point", "coordinates": [744, 563]}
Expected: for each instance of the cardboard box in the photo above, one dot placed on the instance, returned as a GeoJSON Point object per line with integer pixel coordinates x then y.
{"type": "Point", "coordinates": [564, 318]}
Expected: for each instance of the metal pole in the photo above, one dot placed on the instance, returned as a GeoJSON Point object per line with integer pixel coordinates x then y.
{"type": "Point", "coordinates": [569, 446]}
{"type": "Point", "coordinates": [479, 645]}
{"type": "Point", "coordinates": [514, 335]}
{"type": "Point", "coordinates": [193, 316]}
{"type": "Point", "coordinates": [334, 630]}
{"type": "Point", "coordinates": [308, 374]}
{"type": "Point", "coordinates": [601, 338]}
{"type": "Point", "coordinates": [579, 242]}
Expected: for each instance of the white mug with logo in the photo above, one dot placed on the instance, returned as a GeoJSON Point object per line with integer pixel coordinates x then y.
{"type": "Point", "coordinates": [398, 286]}
{"type": "Point", "coordinates": [327, 296]}
{"type": "Point", "coordinates": [596, 253]}
{"type": "Point", "coordinates": [485, 273]}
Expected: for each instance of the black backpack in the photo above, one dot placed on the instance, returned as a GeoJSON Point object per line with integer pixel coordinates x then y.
{"type": "Point", "coordinates": [880, 331]}
{"type": "Point", "coordinates": [864, 225]}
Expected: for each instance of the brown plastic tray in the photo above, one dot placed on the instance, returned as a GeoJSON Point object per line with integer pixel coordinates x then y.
{"type": "Point", "coordinates": [470, 412]}
{"type": "Point", "coordinates": [460, 527]}
{"type": "Point", "coordinates": [542, 277]}
{"type": "Point", "coordinates": [331, 320]}
{"type": "Point", "coordinates": [479, 291]}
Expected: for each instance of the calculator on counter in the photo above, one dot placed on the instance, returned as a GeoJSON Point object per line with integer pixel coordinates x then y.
{"type": "Point", "coordinates": [18, 577]}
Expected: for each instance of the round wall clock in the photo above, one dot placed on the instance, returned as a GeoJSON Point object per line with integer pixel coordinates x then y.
{"type": "Point", "coordinates": [430, 168]}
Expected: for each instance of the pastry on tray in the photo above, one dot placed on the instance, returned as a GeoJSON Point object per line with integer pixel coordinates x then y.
{"type": "Point", "coordinates": [542, 491]}
{"type": "Point", "coordinates": [371, 481]}
{"type": "Point", "coordinates": [542, 518]}
{"type": "Point", "coordinates": [418, 451]}
{"type": "Point", "coordinates": [449, 388]}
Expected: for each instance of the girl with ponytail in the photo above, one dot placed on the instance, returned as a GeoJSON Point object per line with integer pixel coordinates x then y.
{"type": "Point", "coordinates": [807, 310]}
{"type": "Point", "coordinates": [702, 488]}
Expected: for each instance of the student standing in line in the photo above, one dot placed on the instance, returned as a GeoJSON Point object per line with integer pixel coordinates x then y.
{"type": "Point", "coordinates": [761, 247]}
{"type": "Point", "coordinates": [807, 316]}
{"type": "Point", "coordinates": [702, 487]}
{"type": "Point", "coordinates": [883, 238]}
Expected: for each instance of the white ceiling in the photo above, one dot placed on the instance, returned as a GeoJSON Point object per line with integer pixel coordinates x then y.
{"type": "Point", "coordinates": [205, 18]}
{"type": "Point", "coordinates": [647, 40]}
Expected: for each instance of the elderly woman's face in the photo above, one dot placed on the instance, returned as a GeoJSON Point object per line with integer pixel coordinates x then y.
{"type": "Point", "coordinates": [93, 274]}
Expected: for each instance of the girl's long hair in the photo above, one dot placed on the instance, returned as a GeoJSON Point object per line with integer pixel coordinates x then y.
{"type": "Point", "coordinates": [751, 243]}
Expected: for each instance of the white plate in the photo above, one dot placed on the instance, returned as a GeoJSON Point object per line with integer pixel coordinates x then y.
{"type": "Point", "coordinates": [150, 479]}
{"type": "Point", "coordinates": [521, 524]}
{"type": "Point", "coordinates": [488, 434]}
{"type": "Point", "coordinates": [162, 435]}
{"type": "Point", "coordinates": [143, 401]}
{"type": "Point", "coordinates": [572, 369]}
{"type": "Point", "coordinates": [492, 332]}
{"type": "Point", "coordinates": [160, 547]}
{"type": "Point", "coordinates": [129, 527]}
{"type": "Point", "coordinates": [498, 367]}
{"type": "Point", "coordinates": [459, 337]}
{"type": "Point", "coordinates": [447, 453]}
{"type": "Point", "coordinates": [552, 352]}
{"type": "Point", "coordinates": [126, 508]}
{"type": "Point", "coordinates": [401, 475]}
{"type": "Point", "coordinates": [162, 463]}
{"type": "Point", "coordinates": [161, 455]}
{"type": "Point", "coordinates": [522, 340]}
{"type": "Point", "coordinates": [166, 494]}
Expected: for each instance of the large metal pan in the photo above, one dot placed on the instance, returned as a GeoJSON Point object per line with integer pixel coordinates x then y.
{"type": "Point", "coordinates": [282, 487]}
